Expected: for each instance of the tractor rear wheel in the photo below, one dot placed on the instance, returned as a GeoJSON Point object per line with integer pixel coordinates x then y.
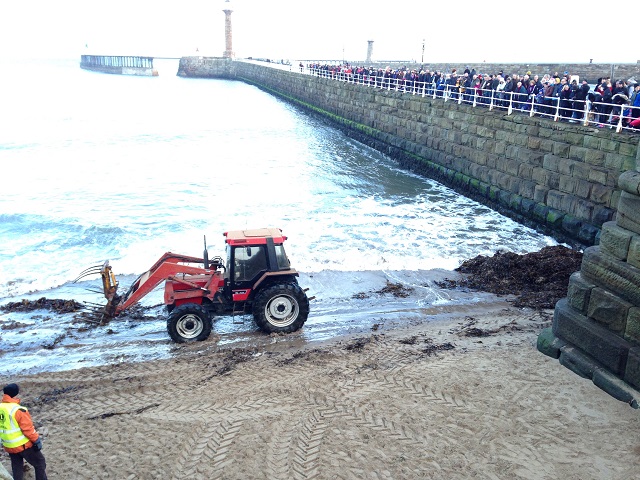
{"type": "Point", "coordinates": [189, 323]}
{"type": "Point", "coordinates": [281, 308]}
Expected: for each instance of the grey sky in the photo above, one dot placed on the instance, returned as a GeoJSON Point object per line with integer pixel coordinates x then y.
{"type": "Point", "coordinates": [463, 31]}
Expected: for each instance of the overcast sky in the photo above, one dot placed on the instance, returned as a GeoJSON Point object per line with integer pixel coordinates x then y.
{"type": "Point", "coordinates": [463, 31]}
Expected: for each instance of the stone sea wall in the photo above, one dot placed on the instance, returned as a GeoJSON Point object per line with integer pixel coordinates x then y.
{"type": "Point", "coordinates": [560, 177]}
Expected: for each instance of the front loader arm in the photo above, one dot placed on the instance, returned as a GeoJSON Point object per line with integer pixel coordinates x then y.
{"type": "Point", "coordinates": [167, 266]}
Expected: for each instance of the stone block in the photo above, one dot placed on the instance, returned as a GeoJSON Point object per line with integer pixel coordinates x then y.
{"type": "Point", "coordinates": [608, 309]}
{"type": "Point", "coordinates": [615, 199]}
{"type": "Point", "coordinates": [578, 362]}
{"type": "Point", "coordinates": [512, 152]}
{"type": "Point", "coordinates": [549, 344]}
{"type": "Point", "coordinates": [594, 157]}
{"type": "Point", "coordinates": [577, 153]}
{"type": "Point", "coordinates": [628, 149]}
{"type": "Point", "coordinates": [504, 181]}
{"type": "Point", "coordinates": [500, 148]}
{"type": "Point", "coordinates": [583, 209]}
{"type": "Point", "coordinates": [534, 143]}
{"type": "Point", "coordinates": [540, 194]}
{"type": "Point", "coordinates": [632, 332]}
{"type": "Point", "coordinates": [521, 139]}
{"type": "Point", "coordinates": [515, 202]}
{"type": "Point", "coordinates": [633, 257]}
{"type": "Point", "coordinates": [601, 214]}
{"type": "Point", "coordinates": [550, 162]}
{"type": "Point", "coordinates": [595, 340]}
{"type": "Point", "coordinates": [561, 150]}
{"type": "Point", "coordinates": [568, 203]}
{"type": "Point", "coordinates": [615, 162]}
{"type": "Point", "coordinates": [580, 170]}
{"type": "Point", "coordinates": [540, 212]}
{"type": "Point", "coordinates": [554, 218]}
{"type": "Point", "coordinates": [571, 225]}
{"type": "Point", "coordinates": [582, 188]}
{"type": "Point", "coordinates": [597, 175]}
{"type": "Point", "coordinates": [547, 133]}
{"type": "Point", "coordinates": [555, 198]}
{"type": "Point", "coordinates": [629, 212]}
{"type": "Point", "coordinates": [596, 235]}
{"type": "Point", "coordinates": [546, 145]}
{"type": "Point", "coordinates": [512, 167]}
{"type": "Point", "coordinates": [611, 274]}
{"type": "Point", "coordinates": [553, 180]}
{"type": "Point", "coordinates": [501, 164]}
{"type": "Point", "coordinates": [568, 184]}
{"type": "Point", "coordinates": [630, 182]}
{"type": "Point", "coordinates": [591, 142]}
{"type": "Point", "coordinates": [531, 157]}
{"type": "Point", "coordinates": [579, 292]}
{"type": "Point", "coordinates": [494, 193]}
{"type": "Point", "coordinates": [615, 240]}
{"type": "Point", "coordinates": [539, 175]}
{"type": "Point", "coordinates": [608, 145]}
{"type": "Point", "coordinates": [632, 373]}
{"type": "Point", "coordinates": [504, 197]}
{"type": "Point", "coordinates": [616, 387]}
{"type": "Point", "coordinates": [565, 166]}
{"type": "Point", "coordinates": [525, 171]}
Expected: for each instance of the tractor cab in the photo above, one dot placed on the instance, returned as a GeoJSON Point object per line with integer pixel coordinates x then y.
{"type": "Point", "coordinates": [252, 257]}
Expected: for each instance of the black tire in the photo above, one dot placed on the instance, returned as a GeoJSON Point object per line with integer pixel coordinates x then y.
{"type": "Point", "coordinates": [281, 308]}
{"type": "Point", "coordinates": [189, 323]}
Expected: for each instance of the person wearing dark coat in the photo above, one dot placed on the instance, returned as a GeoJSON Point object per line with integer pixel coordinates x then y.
{"type": "Point", "coordinates": [579, 97]}
{"type": "Point", "coordinates": [520, 96]}
{"type": "Point", "coordinates": [564, 96]}
{"type": "Point", "coordinates": [619, 96]}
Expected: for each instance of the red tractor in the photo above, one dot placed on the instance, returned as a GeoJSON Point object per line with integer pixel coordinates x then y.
{"type": "Point", "coordinates": [256, 278]}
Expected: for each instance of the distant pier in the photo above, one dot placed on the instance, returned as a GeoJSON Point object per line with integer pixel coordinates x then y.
{"type": "Point", "coordinates": [119, 65]}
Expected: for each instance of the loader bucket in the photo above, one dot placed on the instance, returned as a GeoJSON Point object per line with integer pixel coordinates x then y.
{"type": "Point", "coordinates": [109, 288]}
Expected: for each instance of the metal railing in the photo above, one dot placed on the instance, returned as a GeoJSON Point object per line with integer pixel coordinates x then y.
{"type": "Point", "coordinates": [587, 112]}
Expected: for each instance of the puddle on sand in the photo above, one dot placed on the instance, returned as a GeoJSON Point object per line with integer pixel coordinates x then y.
{"type": "Point", "coordinates": [346, 303]}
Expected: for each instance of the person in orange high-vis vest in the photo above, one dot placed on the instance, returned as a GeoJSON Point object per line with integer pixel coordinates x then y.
{"type": "Point", "coordinates": [18, 435]}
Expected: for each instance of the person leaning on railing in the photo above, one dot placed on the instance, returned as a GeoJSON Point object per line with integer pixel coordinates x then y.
{"type": "Point", "coordinates": [619, 98]}
{"type": "Point", "coordinates": [602, 102]}
{"type": "Point", "coordinates": [579, 98]}
{"type": "Point", "coordinates": [520, 96]}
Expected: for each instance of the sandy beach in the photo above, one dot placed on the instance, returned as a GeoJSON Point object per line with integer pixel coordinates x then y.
{"type": "Point", "coordinates": [460, 397]}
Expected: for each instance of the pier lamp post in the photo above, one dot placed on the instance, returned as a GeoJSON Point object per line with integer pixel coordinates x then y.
{"type": "Point", "coordinates": [422, 51]}
{"type": "Point", "coordinates": [228, 38]}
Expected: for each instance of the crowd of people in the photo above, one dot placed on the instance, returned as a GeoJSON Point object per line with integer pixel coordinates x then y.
{"type": "Point", "coordinates": [562, 96]}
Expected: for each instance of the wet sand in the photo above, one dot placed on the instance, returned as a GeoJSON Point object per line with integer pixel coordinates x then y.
{"type": "Point", "coordinates": [466, 395]}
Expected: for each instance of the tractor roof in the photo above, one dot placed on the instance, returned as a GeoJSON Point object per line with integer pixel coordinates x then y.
{"type": "Point", "coordinates": [257, 236]}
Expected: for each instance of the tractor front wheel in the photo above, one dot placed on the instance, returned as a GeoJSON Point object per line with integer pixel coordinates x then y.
{"type": "Point", "coordinates": [281, 308]}
{"type": "Point", "coordinates": [189, 323]}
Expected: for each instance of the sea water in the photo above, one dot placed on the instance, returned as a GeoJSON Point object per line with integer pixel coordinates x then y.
{"type": "Point", "coordinates": [124, 168]}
